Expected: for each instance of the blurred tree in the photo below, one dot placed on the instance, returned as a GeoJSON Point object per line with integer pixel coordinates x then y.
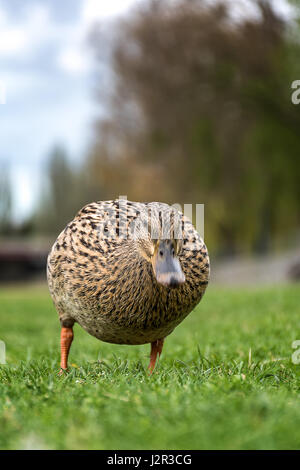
{"type": "Point", "coordinates": [5, 201]}
{"type": "Point", "coordinates": [67, 189]}
{"type": "Point", "coordinates": [201, 112]}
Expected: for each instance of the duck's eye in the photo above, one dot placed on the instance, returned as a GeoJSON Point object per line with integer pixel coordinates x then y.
{"type": "Point", "coordinates": [161, 253]}
{"type": "Point", "coordinates": [173, 252]}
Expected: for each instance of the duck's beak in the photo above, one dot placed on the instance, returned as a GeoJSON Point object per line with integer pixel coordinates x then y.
{"type": "Point", "coordinates": [166, 265]}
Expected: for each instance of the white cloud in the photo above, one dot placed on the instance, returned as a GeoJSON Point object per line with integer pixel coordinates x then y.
{"type": "Point", "coordinates": [12, 41]}
{"type": "Point", "coordinates": [73, 60]}
{"type": "Point", "coordinates": [23, 37]}
{"type": "Point", "coordinates": [94, 10]}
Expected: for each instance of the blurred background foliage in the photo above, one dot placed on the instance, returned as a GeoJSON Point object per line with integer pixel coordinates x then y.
{"type": "Point", "coordinates": [198, 111]}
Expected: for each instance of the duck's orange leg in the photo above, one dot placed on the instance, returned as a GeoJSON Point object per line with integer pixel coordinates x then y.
{"type": "Point", "coordinates": [66, 338]}
{"type": "Point", "coordinates": [156, 349]}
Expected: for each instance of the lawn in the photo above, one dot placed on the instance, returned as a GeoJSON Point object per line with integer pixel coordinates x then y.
{"type": "Point", "coordinates": [225, 379]}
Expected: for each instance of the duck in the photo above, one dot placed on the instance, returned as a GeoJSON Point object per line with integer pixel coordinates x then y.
{"type": "Point", "coordinates": [126, 272]}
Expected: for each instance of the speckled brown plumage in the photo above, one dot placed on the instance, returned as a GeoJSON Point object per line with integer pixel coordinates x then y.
{"type": "Point", "coordinates": [107, 285]}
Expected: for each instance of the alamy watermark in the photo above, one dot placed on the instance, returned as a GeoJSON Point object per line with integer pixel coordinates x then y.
{"type": "Point", "coordinates": [2, 353]}
{"type": "Point", "coordinates": [296, 94]}
{"type": "Point", "coordinates": [296, 354]}
{"type": "Point", "coordinates": [124, 219]}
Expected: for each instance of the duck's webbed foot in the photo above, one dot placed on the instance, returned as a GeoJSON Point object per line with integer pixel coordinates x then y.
{"type": "Point", "coordinates": [156, 349]}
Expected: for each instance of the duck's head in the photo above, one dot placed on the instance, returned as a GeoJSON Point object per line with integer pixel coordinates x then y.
{"type": "Point", "coordinates": [163, 255]}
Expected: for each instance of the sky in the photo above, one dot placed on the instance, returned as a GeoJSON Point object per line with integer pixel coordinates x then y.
{"type": "Point", "coordinates": [46, 85]}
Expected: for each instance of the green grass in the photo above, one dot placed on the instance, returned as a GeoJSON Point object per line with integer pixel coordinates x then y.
{"type": "Point", "coordinates": [225, 379]}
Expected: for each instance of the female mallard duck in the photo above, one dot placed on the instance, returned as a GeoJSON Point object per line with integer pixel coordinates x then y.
{"type": "Point", "coordinates": [127, 272]}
